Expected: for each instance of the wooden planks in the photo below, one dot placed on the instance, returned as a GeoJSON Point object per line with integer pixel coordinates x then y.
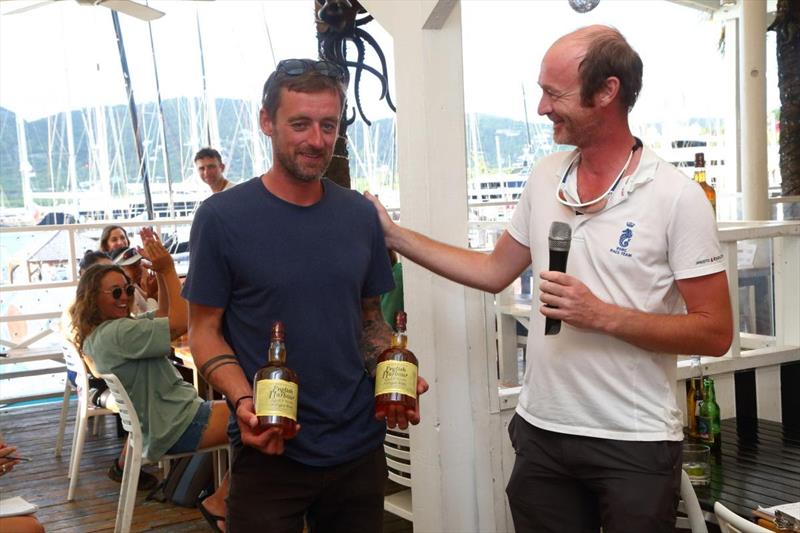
{"type": "Point", "coordinates": [44, 481]}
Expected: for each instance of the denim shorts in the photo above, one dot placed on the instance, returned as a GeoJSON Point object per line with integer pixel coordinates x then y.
{"type": "Point", "coordinates": [190, 440]}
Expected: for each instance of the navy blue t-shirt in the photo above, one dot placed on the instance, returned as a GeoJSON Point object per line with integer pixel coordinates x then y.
{"type": "Point", "coordinates": [264, 259]}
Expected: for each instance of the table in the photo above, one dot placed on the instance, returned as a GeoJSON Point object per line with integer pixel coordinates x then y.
{"type": "Point", "coordinates": [185, 363]}
{"type": "Point", "coordinates": [759, 464]}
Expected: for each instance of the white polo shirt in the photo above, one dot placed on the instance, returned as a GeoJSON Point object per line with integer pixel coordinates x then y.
{"type": "Point", "coordinates": [657, 227]}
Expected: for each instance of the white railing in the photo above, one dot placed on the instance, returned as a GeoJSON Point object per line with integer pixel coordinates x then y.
{"type": "Point", "coordinates": [763, 267]}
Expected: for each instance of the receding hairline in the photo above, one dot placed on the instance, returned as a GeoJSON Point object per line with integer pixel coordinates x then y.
{"type": "Point", "coordinates": [582, 38]}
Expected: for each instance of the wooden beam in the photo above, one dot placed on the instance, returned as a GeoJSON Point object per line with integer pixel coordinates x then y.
{"type": "Point", "coordinates": [439, 14]}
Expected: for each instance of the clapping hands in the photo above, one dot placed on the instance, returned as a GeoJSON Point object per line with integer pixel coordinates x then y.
{"type": "Point", "coordinates": [155, 252]}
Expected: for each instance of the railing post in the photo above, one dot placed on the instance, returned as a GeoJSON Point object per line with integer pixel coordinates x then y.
{"type": "Point", "coordinates": [786, 252]}
{"type": "Point", "coordinates": [732, 270]}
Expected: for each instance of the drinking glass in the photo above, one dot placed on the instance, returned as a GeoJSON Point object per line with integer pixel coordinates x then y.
{"type": "Point", "coordinates": [696, 463]}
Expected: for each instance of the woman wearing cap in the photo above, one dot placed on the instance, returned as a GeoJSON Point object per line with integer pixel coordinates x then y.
{"type": "Point", "coordinates": [144, 281]}
{"type": "Point", "coordinates": [174, 419]}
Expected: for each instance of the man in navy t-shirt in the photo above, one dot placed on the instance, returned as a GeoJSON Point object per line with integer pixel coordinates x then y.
{"type": "Point", "coordinates": [290, 245]}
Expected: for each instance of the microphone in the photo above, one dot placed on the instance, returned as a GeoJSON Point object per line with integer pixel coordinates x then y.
{"type": "Point", "coordinates": [559, 239]}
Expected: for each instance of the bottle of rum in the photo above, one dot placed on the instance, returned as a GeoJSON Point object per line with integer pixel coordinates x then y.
{"type": "Point", "coordinates": [708, 419]}
{"type": "Point", "coordinates": [275, 388]}
{"type": "Point", "coordinates": [396, 372]}
{"type": "Point", "coordinates": [700, 177]}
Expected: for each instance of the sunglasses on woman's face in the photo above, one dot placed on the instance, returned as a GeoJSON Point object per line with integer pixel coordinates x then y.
{"type": "Point", "coordinates": [116, 292]}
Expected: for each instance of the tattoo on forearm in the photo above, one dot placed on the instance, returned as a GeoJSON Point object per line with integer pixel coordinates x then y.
{"type": "Point", "coordinates": [215, 362]}
{"type": "Point", "coordinates": [376, 335]}
{"type": "Point", "coordinates": [214, 368]}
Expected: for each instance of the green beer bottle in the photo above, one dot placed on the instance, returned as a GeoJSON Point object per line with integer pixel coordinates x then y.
{"type": "Point", "coordinates": [708, 418]}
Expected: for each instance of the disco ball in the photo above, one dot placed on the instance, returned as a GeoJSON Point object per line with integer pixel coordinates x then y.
{"type": "Point", "coordinates": [583, 6]}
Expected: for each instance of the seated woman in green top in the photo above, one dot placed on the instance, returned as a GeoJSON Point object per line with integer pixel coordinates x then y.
{"type": "Point", "coordinates": [173, 418]}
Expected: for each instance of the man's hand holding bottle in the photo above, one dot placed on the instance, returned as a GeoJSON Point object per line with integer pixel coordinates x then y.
{"type": "Point", "coordinates": [267, 440]}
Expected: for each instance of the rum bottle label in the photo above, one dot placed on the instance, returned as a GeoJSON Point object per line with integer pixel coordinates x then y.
{"type": "Point", "coordinates": [396, 376]}
{"type": "Point", "coordinates": [276, 397]}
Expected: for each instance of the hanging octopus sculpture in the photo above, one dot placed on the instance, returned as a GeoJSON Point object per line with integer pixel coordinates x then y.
{"type": "Point", "coordinates": [337, 23]}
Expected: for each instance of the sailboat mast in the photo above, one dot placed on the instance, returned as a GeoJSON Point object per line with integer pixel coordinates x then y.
{"type": "Point", "coordinates": [208, 106]}
{"type": "Point", "coordinates": [25, 168]}
{"type": "Point", "coordinates": [162, 124]}
{"type": "Point", "coordinates": [71, 170]}
{"type": "Point", "coordinates": [525, 108]}
{"type": "Point", "coordinates": [134, 116]}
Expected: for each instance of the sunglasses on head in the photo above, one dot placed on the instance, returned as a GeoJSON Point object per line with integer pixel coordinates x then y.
{"type": "Point", "coordinates": [298, 67]}
{"type": "Point", "coordinates": [116, 292]}
{"type": "Point", "coordinates": [127, 254]}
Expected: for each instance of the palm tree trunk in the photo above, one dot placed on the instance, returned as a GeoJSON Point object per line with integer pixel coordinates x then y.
{"type": "Point", "coordinates": [787, 29]}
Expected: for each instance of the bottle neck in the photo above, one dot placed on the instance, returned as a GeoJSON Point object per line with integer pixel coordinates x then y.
{"type": "Point", "coordinates": [709, 392]}
{"type": "Point", "coordinates": [399, 339]}
{"type": "Point", "coordinates": [277, 353]}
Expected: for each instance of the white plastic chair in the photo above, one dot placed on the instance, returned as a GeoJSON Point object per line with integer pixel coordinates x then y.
{"type": "Point", "coordinates": [730, 522]}
{"type": "Point", "coordinates": [133, 456]}
{"type": "Point", "coordinates": [86, 410]}
{"type": "Point", "coordinates": [396, 445]}
{"type": "Point", "coordinates": [694, 519]}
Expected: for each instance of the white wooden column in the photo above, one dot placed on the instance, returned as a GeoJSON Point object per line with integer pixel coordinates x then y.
{"type": "Point", "coordinates": [753, 85]}
{"type": "Point", "coordinates": [733, 183]}
{"type": "Point", "coordinates": [451, 476]}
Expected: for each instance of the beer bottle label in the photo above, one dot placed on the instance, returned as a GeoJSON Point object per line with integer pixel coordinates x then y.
{"type": "Point", "coordinates": [276, 397]}
{"type": "Point", "coordinates": [396, 376]}
{"type": "Point", "coordinates": [704, 428]}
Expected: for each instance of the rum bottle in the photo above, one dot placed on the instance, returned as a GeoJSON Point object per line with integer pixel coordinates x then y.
{"type": "Point", "coordinates": [708, 419]}
{"type": "Point", "coordinates": [275, 388]}
{"type": "Point", "coordinates": [396, 372]}
{"type": "Point", "coordinates": [700, 177]}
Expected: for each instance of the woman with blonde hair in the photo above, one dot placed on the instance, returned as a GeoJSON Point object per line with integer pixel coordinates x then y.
{"type": "Point", "coordinates": [136, 349]}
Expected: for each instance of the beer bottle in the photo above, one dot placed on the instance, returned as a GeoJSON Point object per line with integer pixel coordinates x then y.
{"type": "Point", "coordinates": [708, 420]}
{"type": "Point", "coordinates": [694, 397]}
{"type": "Point", "coordinates": [275, 388]}
{"type": "Point", "coordinates": [396, 372]}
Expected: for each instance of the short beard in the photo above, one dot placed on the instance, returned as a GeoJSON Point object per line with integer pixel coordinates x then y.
{"type": "Point", "coordinates": [294, 170]}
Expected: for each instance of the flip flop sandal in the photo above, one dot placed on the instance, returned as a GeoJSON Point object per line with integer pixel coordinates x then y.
{"type": "Point", "coordinates": [212, 519]}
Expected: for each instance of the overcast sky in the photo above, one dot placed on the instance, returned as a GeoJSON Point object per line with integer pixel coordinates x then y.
{"type": "Point", "coordinates": [63, 56]}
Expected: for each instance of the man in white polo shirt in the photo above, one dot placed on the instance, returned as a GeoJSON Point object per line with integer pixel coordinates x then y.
{"type": "Point", "coordinates": [597, 431]}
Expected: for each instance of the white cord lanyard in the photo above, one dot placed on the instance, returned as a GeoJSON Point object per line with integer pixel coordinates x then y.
{"type": "Point", "coordinates": [561, 186]}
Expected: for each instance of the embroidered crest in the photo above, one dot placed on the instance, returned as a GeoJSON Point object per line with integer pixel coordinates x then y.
{"type": "Point", "coordinates": [624, 240]}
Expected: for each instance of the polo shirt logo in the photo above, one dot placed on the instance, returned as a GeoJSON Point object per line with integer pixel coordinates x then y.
{"type": "Point", "coordinates": [624, 240]}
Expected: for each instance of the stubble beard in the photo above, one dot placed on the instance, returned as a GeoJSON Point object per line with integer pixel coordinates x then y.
{"type": "Point", "coordinates": [295, 170]}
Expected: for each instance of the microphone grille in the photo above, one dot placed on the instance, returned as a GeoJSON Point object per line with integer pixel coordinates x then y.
{"type": "Point", "coordinates": [560, 236]}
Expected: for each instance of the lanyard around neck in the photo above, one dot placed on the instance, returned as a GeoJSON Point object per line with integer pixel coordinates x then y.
{"type": "Point", "coordinates": [561, 186]}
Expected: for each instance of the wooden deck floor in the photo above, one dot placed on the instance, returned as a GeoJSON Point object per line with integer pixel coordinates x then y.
{"type": "Point", "coordinates": [44, 481]}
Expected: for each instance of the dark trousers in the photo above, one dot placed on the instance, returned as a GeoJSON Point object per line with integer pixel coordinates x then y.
{"type": "Point", "coordinates": [274, 493]}
{"type": "Point", "coordinates": [572, 484]}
